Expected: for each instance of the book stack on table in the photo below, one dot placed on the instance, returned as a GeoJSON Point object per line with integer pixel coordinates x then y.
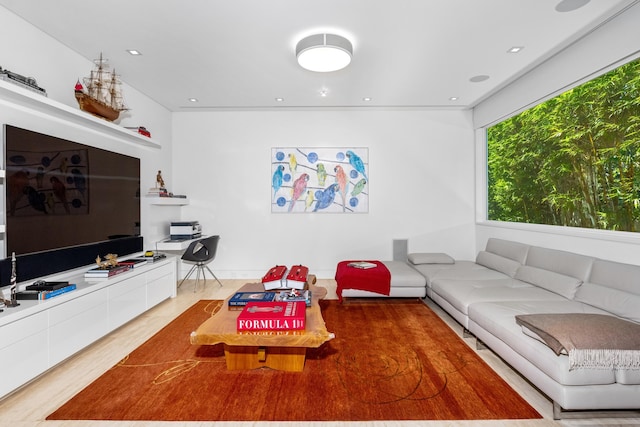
{"type": "Point", "coordinates": [98, 274]}
{"type": "Point", "coordinates": [44, 290]}
{"type": "Point", "coordinates": [240, 299]}
{"type": "Point", "coordinates": [272, 316]}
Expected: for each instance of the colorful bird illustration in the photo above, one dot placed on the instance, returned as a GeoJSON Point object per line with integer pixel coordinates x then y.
{"type": "Point", "coordinates": [18, 182]}
{"type": "Point", "coordinates": [79, 180]}
{"type": "Point", "coordinates": [341, 180]}
{"type": "Point", "coordinates": [299, 185]}
{"type": "Point", "coordinates": [293, 163]}
{"type": "Point", "coordinates": [326, 197]}
{"type": "Point", "coordinates": [36, 199]}
{"type": "Point", "coordinates": [357, 163]}
{"type": "Point", "coordinates": [276, 179]}
{"type": "Point", "coordinates": [309, 200]}
{"type": "Point", "coordinates": [322, 174]}
{"type": "Point", "coordinates": [40, 177]}
{"type": "Point", "coordinates": [358, 187]}
{"type": "Point", "coordinates": [50, 202]}
{"type": "Point", "coordinates": [60, 191]}
{"type": "Point", "coordinates": [63, 165]}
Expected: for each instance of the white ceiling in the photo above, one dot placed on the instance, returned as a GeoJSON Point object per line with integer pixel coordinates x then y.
{"type": "Point", "coordinates": [233, 54]}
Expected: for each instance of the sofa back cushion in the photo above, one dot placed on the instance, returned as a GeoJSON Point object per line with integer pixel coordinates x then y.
{"type": "Point", "coordinates": [498, 263]}
{"type": "Point", "coordinates": [560, 284]}
{"type": "Point", "coordinates": [567, 263]}
{"type": "Point", "coordinates": [614, 287]}
{"type": "Point", "coordinates": [506, 248]}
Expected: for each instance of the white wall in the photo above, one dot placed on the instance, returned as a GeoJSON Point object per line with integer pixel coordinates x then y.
{"type": "Point", "coordinates": [421, 185]}
{"type": "Point", "coordinates": [615, 43]}
{"type": "Point", "coordinates": [30, 52]}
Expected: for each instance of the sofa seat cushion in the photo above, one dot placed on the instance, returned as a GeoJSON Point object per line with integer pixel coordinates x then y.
{"type": "Point", "coordinates": [430, 271]}
{"type": "Point", "coordinates": [403, 275]}
{"type": "Point", "coordinates": [461, 293]}
{"type": "Point", "coordinates": [498, 319]}
{"type": "Point", "coordinates": [477, 274]}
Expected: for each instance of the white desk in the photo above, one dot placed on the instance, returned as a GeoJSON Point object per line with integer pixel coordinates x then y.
{"type": "Point", "coordinates": [176, 247]}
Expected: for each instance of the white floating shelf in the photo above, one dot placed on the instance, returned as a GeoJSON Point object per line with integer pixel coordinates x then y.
{"type": "Point", "coordinates": [167, 201]}
{"type": "Point", "coordinates": [40, 103]}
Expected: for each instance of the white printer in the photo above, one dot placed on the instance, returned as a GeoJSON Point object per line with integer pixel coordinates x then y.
{"type": "Point", "coordinates": [185, 230]}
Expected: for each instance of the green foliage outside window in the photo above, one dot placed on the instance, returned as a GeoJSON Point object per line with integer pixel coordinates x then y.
{"type": "Point", "coordinates": [573, 160]}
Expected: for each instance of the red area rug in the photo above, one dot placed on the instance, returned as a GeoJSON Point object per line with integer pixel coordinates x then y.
{"type": "Point", "coordinates": [390, 360]}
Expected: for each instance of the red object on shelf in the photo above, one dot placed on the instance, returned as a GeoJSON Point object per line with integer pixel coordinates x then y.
{"type": "Point", "coordinates": [272, 316]}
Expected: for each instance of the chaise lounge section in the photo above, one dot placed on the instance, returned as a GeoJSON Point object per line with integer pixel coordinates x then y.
{"type": "Point", "coordinates": [510, 279]}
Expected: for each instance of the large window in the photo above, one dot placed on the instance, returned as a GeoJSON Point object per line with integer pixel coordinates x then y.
{"type": "Point", "coordinates": [573, 160]}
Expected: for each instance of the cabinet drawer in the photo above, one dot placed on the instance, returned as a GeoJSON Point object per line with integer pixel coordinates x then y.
{"type": "Point", "coordinates": [75, 307]}
{"type": "Point", "coordinates": [78, 330]}
{"type": "Point", "coordinates": [159, 272]}
{"type": "Point", "coordinates": [12, 333]}
{"type": "Point", "coordinates": [127, 300]}
{"type": "Point", "coordinates": [24, 360]}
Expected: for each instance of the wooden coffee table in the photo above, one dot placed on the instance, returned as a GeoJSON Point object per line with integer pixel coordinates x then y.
{"type": "Point", "coordinates": [281, 350]}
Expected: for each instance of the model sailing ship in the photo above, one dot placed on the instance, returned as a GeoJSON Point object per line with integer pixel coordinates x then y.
{"type": "Point", "coordinates": [102, 95]}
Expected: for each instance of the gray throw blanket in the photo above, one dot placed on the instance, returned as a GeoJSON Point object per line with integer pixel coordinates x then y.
{"type": "Point", "coordinates": [595, 341]}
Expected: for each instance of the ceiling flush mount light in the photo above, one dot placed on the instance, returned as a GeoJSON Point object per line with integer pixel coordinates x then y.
{"type": "Point", "coordinates": [324, 52]}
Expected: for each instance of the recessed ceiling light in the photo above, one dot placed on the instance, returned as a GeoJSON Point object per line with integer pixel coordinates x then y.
{"type": "Point", "coordinates": [366, 99]}
{"type": "Point", "coordinates": [453, 98]}
{"type": "Point", "coordinates": [134, 52]}
{"type": "Point", "coordinates": [570, 5]}
{"type": "Point", "coordinates": [323, 92]}
{"type": "Point", "coordinates": [515, 49]}
{"type": "Point", "coordinates": [279, 99]}
{"type": "Point", "coordinates": [479, 78]}
{"type": "Point", "coordinates": [193, 99]}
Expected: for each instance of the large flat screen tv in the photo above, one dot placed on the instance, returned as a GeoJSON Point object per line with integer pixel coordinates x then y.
{"type": "Point", "coordinates": [60, 193]}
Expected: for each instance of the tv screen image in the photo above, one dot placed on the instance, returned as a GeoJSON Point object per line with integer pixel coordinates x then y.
{"type": "Point", "coordinates": [60, 193]}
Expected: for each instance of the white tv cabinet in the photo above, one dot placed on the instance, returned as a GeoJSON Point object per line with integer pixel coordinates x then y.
{"type": "Point", "coordinates": [37, 335]}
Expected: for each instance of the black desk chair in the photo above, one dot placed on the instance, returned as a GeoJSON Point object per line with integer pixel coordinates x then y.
{"type": "Point", "coordinates": [200, 253]}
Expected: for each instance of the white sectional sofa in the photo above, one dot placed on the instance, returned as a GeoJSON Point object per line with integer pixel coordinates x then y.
{"type": "Point", "coordinates": [509, 279]}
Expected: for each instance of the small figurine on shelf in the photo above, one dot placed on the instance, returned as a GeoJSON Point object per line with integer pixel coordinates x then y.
{"type": "Point", "coordinates": [13, 302]}
{"type": "Point", "coordinates": [111, 260]}
{"type": "Point", "coordinates": [159, 180]}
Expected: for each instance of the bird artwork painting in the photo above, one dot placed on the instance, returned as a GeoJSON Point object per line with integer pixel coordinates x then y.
{"type": "Point", "coordinates": [47, 182]}
{"type": "Point", "coordinates": [319, 180]}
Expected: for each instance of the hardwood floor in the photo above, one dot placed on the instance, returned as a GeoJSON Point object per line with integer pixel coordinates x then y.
{"type": "Point", "coordinates": [30, 405]}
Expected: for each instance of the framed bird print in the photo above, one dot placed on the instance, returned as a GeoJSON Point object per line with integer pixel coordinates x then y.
{"type": "Point", "coordinates": [319, 180]}
{"type": "Point", "coordinates": [47, 182]}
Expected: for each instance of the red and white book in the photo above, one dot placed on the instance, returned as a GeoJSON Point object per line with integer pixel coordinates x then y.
{"type": "Point", "coordinates": [297, 277]}
{"type": "Point", "coordinates": [274, 278]}
{"type": "Point", "coordinates": [272, 316]}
